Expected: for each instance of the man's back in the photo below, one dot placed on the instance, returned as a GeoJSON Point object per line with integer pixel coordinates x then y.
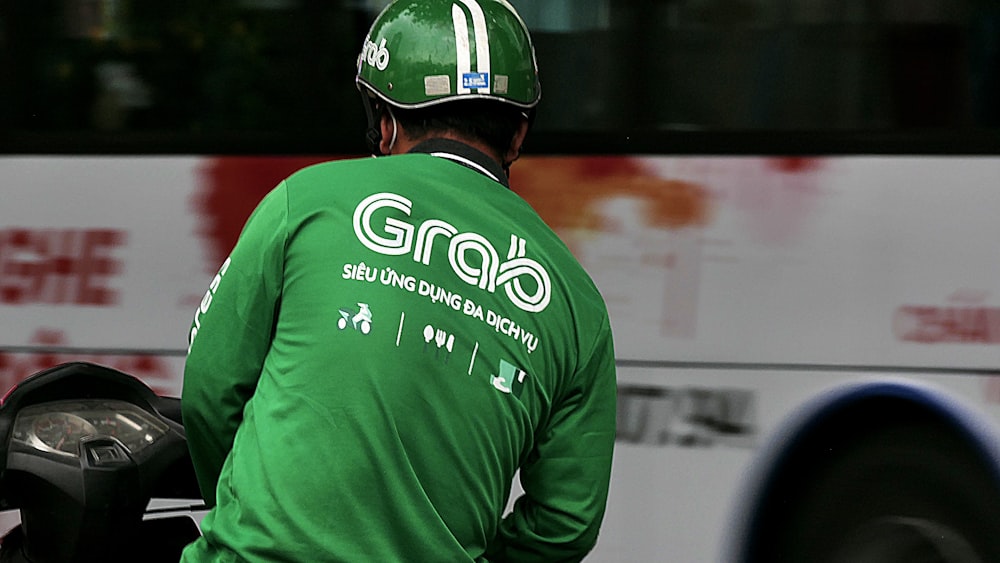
{"type": "Point", "coordinates": [428, 336]}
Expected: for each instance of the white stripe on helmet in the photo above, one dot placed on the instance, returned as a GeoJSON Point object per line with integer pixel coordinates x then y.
{"type": "Point", "coordinates": [482, 37]}
{"type": "Point", "coordinates": [462, 43]}
{"type": "Point", "coordinates": [462, 49]}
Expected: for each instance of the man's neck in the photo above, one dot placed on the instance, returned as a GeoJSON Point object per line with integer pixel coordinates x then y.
{"type": "Point", "coordinates": [405, 144]}
{"type": "Point", "coordinates": [465, 154]}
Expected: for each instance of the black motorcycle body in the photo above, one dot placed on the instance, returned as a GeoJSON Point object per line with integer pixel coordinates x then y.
{"type": "Point", "coordinates": [84, 448]}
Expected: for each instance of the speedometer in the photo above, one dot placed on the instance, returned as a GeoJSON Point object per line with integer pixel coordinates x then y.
{"type": "Point", "coordinates": [58, 427]}
{"type": "Point", "coordinates": [60, 431]}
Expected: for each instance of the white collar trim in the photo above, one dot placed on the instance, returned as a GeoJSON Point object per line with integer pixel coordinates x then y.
{"type": "Point", "coordinates": [466, 162]}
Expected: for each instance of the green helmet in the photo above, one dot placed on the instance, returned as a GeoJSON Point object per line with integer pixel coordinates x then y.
{"type": "Point", "coordinates": [425, 52]}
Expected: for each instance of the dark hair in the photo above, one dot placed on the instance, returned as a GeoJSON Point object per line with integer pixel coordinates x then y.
{"type": "Point", "coordinates": [490, 122]}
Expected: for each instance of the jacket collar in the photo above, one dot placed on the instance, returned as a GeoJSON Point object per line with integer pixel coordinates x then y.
{"type": "Point", "coordinates": [465, 155]}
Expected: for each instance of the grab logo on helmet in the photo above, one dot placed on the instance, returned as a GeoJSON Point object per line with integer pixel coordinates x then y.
{"type": "Point", "coordinates": [375, 55]}
{"type": "Point", "coordinates": [487, 273]}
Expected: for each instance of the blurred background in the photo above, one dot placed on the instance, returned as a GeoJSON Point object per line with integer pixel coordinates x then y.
{"type": "Point", "coordinates": [278, 74]}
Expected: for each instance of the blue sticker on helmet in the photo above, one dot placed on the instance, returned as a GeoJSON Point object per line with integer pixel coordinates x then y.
{"type": "Point", "coordinates": [476, 80]}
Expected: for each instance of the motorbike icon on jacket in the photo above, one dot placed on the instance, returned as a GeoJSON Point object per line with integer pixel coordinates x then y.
{"type": "Point", "coordinates": [358, 320]}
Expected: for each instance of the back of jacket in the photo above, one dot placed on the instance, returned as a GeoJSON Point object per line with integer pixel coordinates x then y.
{"type": "Point", "coordinates": [390, 340]}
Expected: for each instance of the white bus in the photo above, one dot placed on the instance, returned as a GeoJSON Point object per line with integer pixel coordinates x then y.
{"type": "Point", "coordinates": [808, 348]}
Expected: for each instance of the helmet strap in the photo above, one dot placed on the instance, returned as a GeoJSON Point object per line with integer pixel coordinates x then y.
{"type": "Point", "coordinates": [373, 136]}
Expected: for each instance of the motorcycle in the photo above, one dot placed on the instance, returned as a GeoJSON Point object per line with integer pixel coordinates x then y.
{"type": "Point", "coordinates": [83, 451]}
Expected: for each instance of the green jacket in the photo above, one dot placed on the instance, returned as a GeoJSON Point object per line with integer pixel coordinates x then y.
{"type": "Point", "coordinates": [389, 342]}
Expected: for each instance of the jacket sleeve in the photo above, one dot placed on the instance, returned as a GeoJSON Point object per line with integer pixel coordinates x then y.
{"type": "Point", "coordinates": [230, 337]}
{"type": "Point", "coordinates": [566, 478]}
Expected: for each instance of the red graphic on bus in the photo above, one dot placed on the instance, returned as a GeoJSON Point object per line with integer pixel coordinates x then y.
{"type": "Point", "coordinates": [949, 324]}
{"type": "Point", "coordinates": [230, 188]}
{"type": "Point", "coordinates": [59, 266]}
{"type": "Point", "coordinates": [566, 192]}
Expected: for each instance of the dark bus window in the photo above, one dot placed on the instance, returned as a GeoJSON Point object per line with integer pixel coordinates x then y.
{"type": "Point", "coordinates": [266, 75]}
{"type": "Point", "coordinates": [771, 65]}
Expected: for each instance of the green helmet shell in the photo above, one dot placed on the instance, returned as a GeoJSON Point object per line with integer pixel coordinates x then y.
{"type": "Point", "coordinates": [425, 52]}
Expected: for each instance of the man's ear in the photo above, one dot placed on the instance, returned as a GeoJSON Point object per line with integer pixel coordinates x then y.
{"type": "Point", "coordinates": [514, 151]}
{"type": "Point", "coordinates": [389, 133]}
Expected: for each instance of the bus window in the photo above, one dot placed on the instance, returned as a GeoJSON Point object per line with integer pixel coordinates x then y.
{"type": "Point", "coordinates": [277, 75]}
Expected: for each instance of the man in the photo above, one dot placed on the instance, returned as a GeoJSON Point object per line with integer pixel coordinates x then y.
{"type": "Point", "coordinates": [392, 339]}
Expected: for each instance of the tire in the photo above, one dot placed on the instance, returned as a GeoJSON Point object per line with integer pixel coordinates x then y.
{"type": "Point", "coordinates": [914, 490]}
